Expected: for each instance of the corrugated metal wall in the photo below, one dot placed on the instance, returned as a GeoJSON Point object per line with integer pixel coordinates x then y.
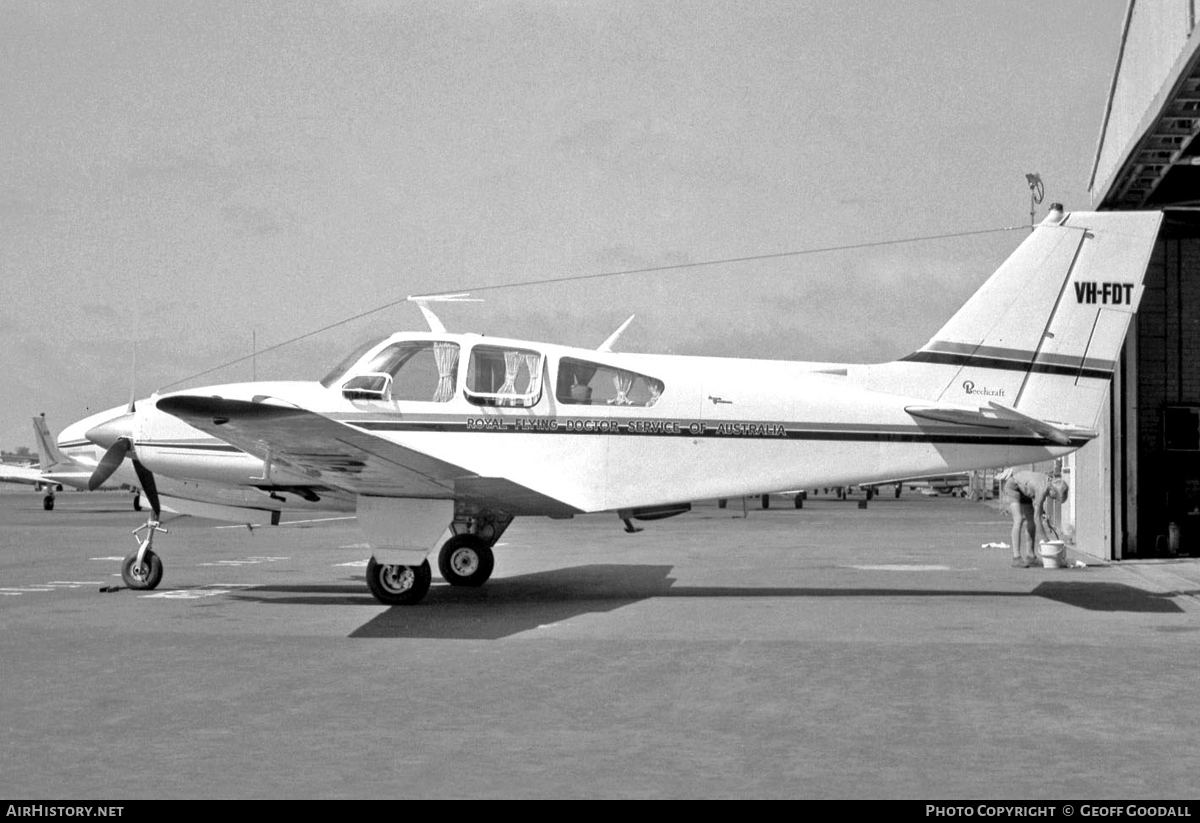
{"type": "Point", "coordinates": [1155, 37]}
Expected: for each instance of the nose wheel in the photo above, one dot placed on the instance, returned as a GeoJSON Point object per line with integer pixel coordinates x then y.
{"type": "Point", "coordinates": [145, 573]}
{"type": "Point", "coordinates": [143, 569]}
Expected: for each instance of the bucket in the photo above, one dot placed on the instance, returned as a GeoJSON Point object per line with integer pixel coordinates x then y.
{"type": "Point", "coordinates": [1053, 554]}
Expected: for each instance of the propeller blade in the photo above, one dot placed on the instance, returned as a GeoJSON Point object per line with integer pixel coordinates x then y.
{"type": "Point", "coordinates": [108, 464]}
{"type": "Point", "coordinates": [149, 487]}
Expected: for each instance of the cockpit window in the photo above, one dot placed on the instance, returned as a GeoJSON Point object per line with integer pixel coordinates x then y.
{"type": "Point", "coordinates": [411, 370]}
{"type": "Point", "coordinates": [584, 383]}
{"type": "Point", "coordinates": [498, 376]}
{"type": "Point", "coordinates": [346, 362]}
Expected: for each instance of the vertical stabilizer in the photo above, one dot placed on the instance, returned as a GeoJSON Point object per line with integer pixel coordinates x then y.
{"type": "Point", "coordinates": [48, 451]}
{"type": "Point", "coordinates": [1042, 336]}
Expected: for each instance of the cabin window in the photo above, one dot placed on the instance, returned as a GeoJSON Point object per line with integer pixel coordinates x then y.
{"type": "Point", "coordinates": [419, 370]}
{"type": "Point", "coordinates": [499, 376]}
{"type": "Point", "coordinates": [584, 383]}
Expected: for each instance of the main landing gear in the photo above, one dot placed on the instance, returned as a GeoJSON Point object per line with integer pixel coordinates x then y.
{"type": "Point", "coordinates": [398, 585]}
{"type": "Point", "coordinates": [466, 559]}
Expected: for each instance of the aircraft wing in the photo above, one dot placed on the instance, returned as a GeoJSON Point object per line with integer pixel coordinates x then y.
{"type": "Point", "coordinates": [344, 457]}
{"type": "Point", "coordinates": [21, 474]}
{"type": "Point", "coordinates": [996, 416]}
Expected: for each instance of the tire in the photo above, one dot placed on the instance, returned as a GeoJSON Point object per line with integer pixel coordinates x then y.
{"type": "Point", "coordinates": [137, 503]}
{"type": "Point", "coordinates": [48, 503]}
{"type": "Point", "coordinates": [398, 585]}
{"type": "Point", "coordinates": [146, 576]}
{"type": "Point", "coordinates": [466, 560]}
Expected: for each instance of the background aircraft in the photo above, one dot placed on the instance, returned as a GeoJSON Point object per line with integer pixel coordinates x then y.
{"type": "Point", "coordinates": [27, 475]}
{"type": "Point", "coordinates": [441, 439]}
{"type": "Point", "coordinates": [56, 469]}
{"type": "Point", "coordinates": [73, 465]}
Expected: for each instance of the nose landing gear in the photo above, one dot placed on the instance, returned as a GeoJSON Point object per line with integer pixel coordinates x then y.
{"type": "Point", "coordinates": [142, 569]}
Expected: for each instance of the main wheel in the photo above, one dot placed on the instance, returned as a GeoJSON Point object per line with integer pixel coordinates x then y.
{"type": "Point", "coordinates": [48, 503]}
{"type": "Point", "coordinates": [137, 503]}
{"type": "Point", "coordinates": [398, 585]}
{"type": "Point", "coordinates": [145, 575]}
{"type": "Point", "coordinates": [466, 560]}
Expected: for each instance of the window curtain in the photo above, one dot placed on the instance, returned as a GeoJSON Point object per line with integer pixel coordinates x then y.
{"type": "Point", "coordinates": [535, 375]}
{"type": "Point", "coordinates": [622, 382]}
{"type": "Point", "coordinates": [446, 356]}
{"type": "Point", "coordinates": [512, 366]}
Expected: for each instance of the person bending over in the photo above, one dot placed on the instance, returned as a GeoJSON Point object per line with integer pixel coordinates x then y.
{"type": "Point", "coordinates": [1026, 494]}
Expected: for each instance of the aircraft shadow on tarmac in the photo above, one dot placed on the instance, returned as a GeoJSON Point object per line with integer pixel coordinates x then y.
{"type": "Point", "coordinates": [1108, 597]}
{"type": "Point", "coordinates": [511, 605]}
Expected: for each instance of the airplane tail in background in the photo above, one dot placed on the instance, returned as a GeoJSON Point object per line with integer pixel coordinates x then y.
{"type": "Point", "coordinates": [48, 451]}
{"type": "Point", "coordinates": [1041, 338]}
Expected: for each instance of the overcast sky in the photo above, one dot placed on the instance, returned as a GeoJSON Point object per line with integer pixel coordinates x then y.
{"type": "Point", "coordinates": [189, 178]}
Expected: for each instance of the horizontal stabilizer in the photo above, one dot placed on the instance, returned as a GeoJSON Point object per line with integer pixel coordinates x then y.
{"type": "Point", "coordinates": [1019, 420]}
{"type": "Point", "coordinates": [996, 416]}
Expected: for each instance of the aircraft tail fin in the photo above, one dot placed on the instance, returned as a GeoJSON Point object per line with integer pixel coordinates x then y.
{"type": "Point", "coordinates": [1041, 338]}
{"type": "Point", "coordinates": [47, 447]}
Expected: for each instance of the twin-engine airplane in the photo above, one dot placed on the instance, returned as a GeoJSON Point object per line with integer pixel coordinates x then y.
{"type": "Point", "coordinates": [437, 440]}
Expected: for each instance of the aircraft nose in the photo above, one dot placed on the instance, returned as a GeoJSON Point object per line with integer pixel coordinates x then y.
{"type": "Point", "coordinates": [110, 431]}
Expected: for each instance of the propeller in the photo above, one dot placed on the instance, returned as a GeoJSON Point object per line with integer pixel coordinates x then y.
{"type": "Point", "coordinates": [149, 487]}
{"type": "Point", "coordinates": [116, 436]}
{"type": "Point", "coordinates": [113, 457]}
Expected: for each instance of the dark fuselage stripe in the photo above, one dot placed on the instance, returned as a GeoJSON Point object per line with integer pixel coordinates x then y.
{"type": "Point", "coordinates": [991, 357]}
{"type": "Point", "coordinates": [708, 430]}
{"type": "Point", "coordinates": [202, 447]}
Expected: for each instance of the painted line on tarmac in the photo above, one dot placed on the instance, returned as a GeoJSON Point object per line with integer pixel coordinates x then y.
{"type": "Point", "coordinates": [902, 567]}
{"type": "Point", "coordinates": [53, 585]}
{"type": "Point", "coordinates": [199, 592]}
{"type": "Point", "coordinates": [245, 561]}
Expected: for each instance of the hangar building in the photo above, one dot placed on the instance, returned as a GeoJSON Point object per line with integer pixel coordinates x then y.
{"type": "Point", "coordinates": [1137, 486]}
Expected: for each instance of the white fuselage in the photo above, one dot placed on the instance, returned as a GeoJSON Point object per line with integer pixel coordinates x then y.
{"type": "Point", "coordinates": [717, 428]}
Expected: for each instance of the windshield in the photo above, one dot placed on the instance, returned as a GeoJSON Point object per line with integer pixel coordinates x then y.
{"type": "Point", "coordinates": [346, 362]}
